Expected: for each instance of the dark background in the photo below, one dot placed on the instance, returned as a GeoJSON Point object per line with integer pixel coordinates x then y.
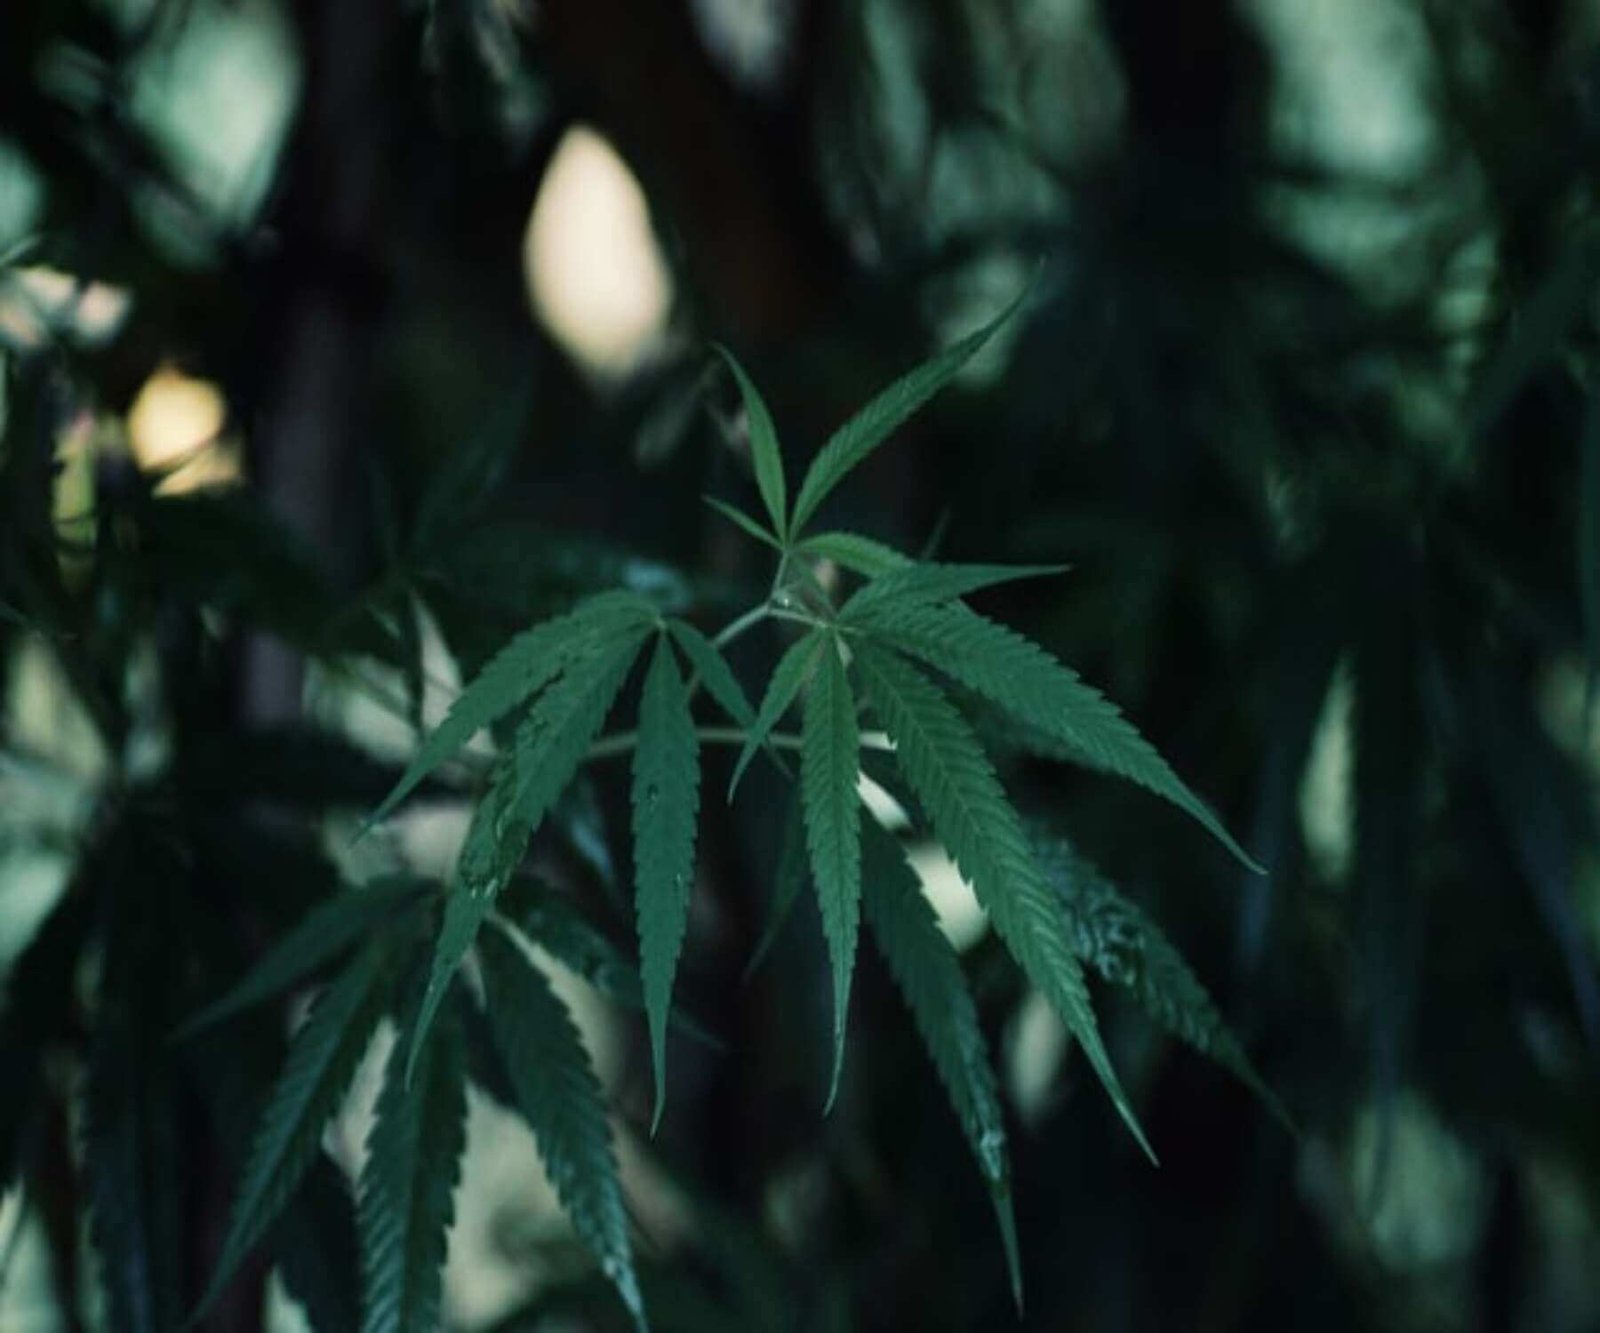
{"type": "Point", "coordinates": [1304, 393]}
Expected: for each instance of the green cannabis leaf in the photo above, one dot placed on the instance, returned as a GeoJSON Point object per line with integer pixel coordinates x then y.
{"type": "Point", "coordinates": [875, 422]}
{"type": "Point", "coordinates": [1035, 688]}
{"type": "Point", "coordinates": [829, 767]}
{"type": "Point", "coordinates": [928, 973]}
{"type": "Point", "coordinates": [763, 447]}
{"type": "Point", "coordinates": [545, 753]}
{"type": "Point", "coordinates": [408, 1183]}
{"type": "Point", "coordinates": [321, 1063]}
{"type": "Point", "coordinates": [1116, 937]}
{"type": "Point", "coordinates": [945, 766]}
{"type": "Point", "coordinates": [666, 800]}
{"type": "Point", "coordinates": [558, 1094]}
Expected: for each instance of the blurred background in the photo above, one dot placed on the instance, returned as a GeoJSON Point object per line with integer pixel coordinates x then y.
{"type": "Point", "coordinates": [343, 338]}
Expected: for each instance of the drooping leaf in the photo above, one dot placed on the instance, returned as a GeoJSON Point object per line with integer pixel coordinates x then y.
{"type": "Point", "coordinates": [666, 802]}
{"type": "Point", "coordinates": [407, 1193]}
{"type": "Point", "coordinates": [850, 550]}
{"type": "Point", "coordinates": [1117, 938]}
{"type": "Point", "coordinates": [1038, 690]}
{"type": "Point", "coordinates": [322, 935]}
{"type": "Point", "coordinates": [545, 754]}
{"type": "Point", "coordinates": [560, 1098]}
{"type": "Point", "coordinates": [321, 1062]}
{"type": "Point", "coordinates": [764, 450]}
{"type": "Point", "coordinates": [314, 1244]}
{"type": "Point", "coordinates": [744, 523]}
{"type": "Point", "coordinates": [874, 423]}
{"type": "Point", "coordinates": [931, 582]}
{"type": "Point", "coordinates": [829, 766]}
{"type": "Point", "coordinates": [971, 816]}
{"type": "Point", "coordinates": [713, 671]}
{"type": "Point", "coordinates": [526, 665]}
{"type": "Point", "coordinates": [787, 678]}
{"type": "Point", "coordinates": [928, 973]}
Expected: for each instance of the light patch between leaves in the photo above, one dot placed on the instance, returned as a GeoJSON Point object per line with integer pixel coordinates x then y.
{"type": "Point", "coordinates": [961, 918]}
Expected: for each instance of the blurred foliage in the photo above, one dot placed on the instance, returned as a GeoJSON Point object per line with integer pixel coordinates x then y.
{"type": "Point", "coordinates": [1305, 394]}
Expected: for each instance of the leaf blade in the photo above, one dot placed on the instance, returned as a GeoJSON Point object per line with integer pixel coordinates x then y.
{"type": "Point", "coordinates": [928, 973]}
{"type": "Point", "coordinates": [764, 451]}
{"type": "Point", "coordinates": [868, 428]}
{"type": "Point", "coordinates": [549, 746]}
{"type": "Point", "coordinates": [407, 1193]}
{"type": "Point", "coordinates": [321, 1062]}
{"type": "Point", "coordinates": [666, 802]}
{"type": "Point", "coordinates": [713, 670]}
{"type": "Point", "coordinates": [830, 745]}
{"type": "Point", "coordinates": [560, 1098]}
{"type": "Point", "coordinates": [530, 662]}
{"type": "Point", "coordinates": [787, 678]}
{"type": "Point", "coordinates": [952, 778]}
{"type": "Point", "coordinates": [1037, 689]}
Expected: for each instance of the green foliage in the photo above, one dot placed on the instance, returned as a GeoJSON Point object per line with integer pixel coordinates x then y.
{"type": "Point", "coordinates": [321, 1062]}
{"type": "Point", "coordinates": [545, 753]}
{"type": "Point", "coordinates": [763, 447]}
{"type": "Point", "coordinates": [829, 766]}
{"type": "Point", "coordinates": [1036, 689]}
{"type": "Point", "coordinates": [1115, 937]}
{"type": "Point", "coordinates": [946, 767]}
{"type": "Point", "coordinates": [321, 936]}
{"type": "Point", "coordinates": [409, 1180]}
{"type": "Point", "coordinates": [556, 1090]}
{"type": "Point", "coordinates": [850, 445]}
{"type": "Point", "coordinates": [787, 678]}
{"type": "Point", "coordinates": [929, 976]}
{"type": "Point", "coordinates": [666, 800]}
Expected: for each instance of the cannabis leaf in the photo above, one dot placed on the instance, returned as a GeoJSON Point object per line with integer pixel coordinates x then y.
{"type": "Point", "coordinates": [952, 778]}
{"type": "Point", "coordinates": [763, 445]}
{"type": "Point", "coordinates": [526, 665]}
{"type": "Point", "coordinates": [1038, 690]}
{"type": "Point", "coordinates": [1116, 937]}
{"type": "Point", "coordinates": [829, 766]}
{"type": "Point", "coordinates": [712, 670]}
{"type": "Point", "coordinates": [932, 582]}
{"type": "Point", "coordinates": [861, 555]}
{"type": "Point", "coordinates": [321, 1062]}
{"type": "Point", "coordinates": [875, 422]}
{"type": "Point", "coordinates": [787, 678]}
{"type": "Point", "coordinates": [928, 973]}
{"type": "Point", "coordinates": [559, 1096]}
{"type": "Point", "coordinates": [666, 800]}
{"type": "Point", "coordinates": [545, 753]}
{"type": "Point", "coordinates": [409, 1180]}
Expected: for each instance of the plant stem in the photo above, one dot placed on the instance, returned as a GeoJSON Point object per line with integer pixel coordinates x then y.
{"type": "Point", "coordinates": [749, 620]}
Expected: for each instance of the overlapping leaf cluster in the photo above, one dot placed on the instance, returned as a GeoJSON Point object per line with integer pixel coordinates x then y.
{"type": "Point", "coordinates": [875, 670]}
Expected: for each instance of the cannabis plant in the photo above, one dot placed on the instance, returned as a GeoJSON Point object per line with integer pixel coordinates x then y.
{"type": "Point", "coordinates": [892, 678]}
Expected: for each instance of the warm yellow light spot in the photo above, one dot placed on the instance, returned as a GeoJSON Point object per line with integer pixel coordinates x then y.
{"type": "Point", "coordinates": [38, 303]}
{"type": "Point", "coordinates": [175, 427]}
{"type": "Point", "coordinates": [594, 271]}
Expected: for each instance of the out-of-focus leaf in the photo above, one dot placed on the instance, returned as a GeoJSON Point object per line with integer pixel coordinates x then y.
{"type": "Point", "coordinates": [332, 927]}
